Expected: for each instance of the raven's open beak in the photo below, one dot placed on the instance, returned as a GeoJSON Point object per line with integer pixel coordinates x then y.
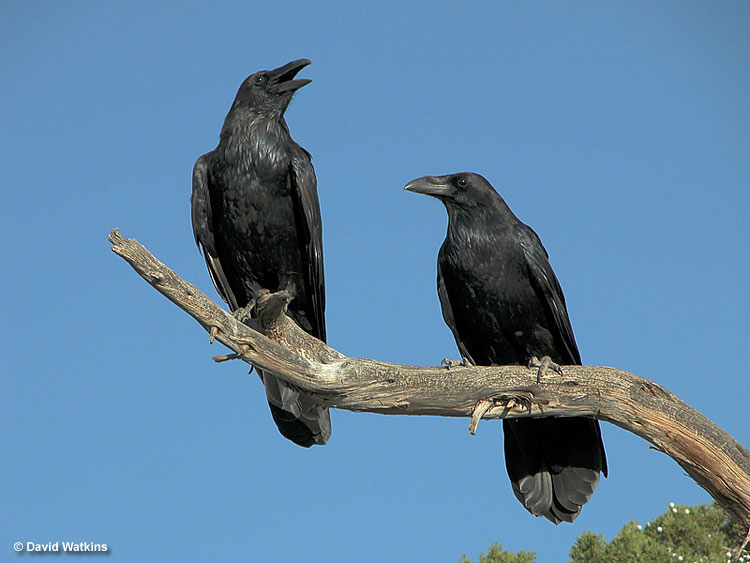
{"type": "Point", "coordinates": [281, 79]}
{"type": "Point", "coordinates": [429, 185]}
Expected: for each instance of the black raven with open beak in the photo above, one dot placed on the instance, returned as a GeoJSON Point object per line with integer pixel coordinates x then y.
{"type": "Point", "coordinates": [256, 216]}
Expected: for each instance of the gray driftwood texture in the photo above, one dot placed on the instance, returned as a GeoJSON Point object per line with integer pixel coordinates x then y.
{"type": "Point", "coordinates": [715, 460]}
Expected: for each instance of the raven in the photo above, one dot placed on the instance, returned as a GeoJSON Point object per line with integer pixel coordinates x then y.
{"type": "Point", "coordinates": [504, 305]}
{"type": "Point", "coordinates": [256, 215]}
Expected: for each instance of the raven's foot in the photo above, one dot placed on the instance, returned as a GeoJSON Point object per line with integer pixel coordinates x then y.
{"type": "Point", "coordinates": [448, 363]}
{"type": "Point", "coordinates": [244, 314]}
{"type": "Point", "coordinates": [544, 364]}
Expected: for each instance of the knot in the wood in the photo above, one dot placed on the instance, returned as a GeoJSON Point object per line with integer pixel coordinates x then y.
{"type": "Point", "coordinates": [270, 308]}
{"type": "Point", "coordinates": [519, 400]}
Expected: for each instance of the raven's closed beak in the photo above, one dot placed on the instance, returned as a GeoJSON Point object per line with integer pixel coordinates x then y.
{"type": "Point", "coordinates": [429, 185]}
{"type": "Point", "coordinates": [281, 79]}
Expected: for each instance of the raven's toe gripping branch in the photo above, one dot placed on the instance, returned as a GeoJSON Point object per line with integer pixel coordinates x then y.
{"type": "Point", "coordinates": [259, 314]}
{"type": "Point", "coordinates": [448, 363]}
{"type": "Point", "coordinates": [544, 364]}
{"type": "Point", "coordinates": [246, 313]}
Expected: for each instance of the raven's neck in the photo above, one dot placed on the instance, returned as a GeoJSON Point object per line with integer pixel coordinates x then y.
{"type": "Point", "coordinates": [258, 139]}
{"type": "Point", "coordinates": [479, 222]}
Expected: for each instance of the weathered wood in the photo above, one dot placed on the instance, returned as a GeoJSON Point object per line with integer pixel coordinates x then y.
{"type": "Point", "coordinates": [715, 460]}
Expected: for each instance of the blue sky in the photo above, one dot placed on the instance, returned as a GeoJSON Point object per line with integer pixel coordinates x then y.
{"type": "Point", "coordinates": [619, 131]}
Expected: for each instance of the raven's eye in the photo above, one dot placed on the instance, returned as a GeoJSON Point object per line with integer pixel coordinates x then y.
{"type": "Point", "coordinates": [258, 80]}
{"type": "Point", "coordinates": [461, 182]}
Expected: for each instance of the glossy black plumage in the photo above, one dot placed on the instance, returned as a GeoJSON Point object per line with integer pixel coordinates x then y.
{"type": "Point", "coordinates": [504, 305]}
{"type": "Point", "coordinates": [256, 215]}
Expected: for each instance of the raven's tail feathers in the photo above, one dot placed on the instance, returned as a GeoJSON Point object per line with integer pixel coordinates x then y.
{"type": "Point", "coordinates": [299, 418]}
{"type": "Point", "coordinates": [554, 464]}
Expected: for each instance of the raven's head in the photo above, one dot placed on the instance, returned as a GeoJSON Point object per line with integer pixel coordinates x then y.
{"type": "Point", "coordinates": [269, 92]}
{"type": "Point", "coordinates": [464, 189]}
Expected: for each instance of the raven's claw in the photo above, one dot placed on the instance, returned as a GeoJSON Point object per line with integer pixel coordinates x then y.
{"type": "Point", "coordinates": [544, 364]}
{"type": "Point", "coordinates": [448, 363]}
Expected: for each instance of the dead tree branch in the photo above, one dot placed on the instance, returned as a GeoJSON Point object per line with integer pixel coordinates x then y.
{"type": "Point", "coordinates": [715, 460]}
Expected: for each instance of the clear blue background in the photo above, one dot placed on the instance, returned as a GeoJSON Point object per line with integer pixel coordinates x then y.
{"type": "Point", "coordinates": [619, 131]}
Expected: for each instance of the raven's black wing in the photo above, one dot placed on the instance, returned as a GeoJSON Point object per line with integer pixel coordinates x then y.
{"type": "Point", "coordinates": [309, 225]}
{"type": "Point", "coordinates": [445, 304]}
{"type": "Point", "coordinates": [298, 416]}
{"type": "Point", "coordinates": [200, 203]}
{"type": "Point", "coordinates": [553, 464]}
{"type": "Point", "coordinates": [549, 293]}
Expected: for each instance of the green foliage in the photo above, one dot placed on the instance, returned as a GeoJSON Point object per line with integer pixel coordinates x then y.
{"type": "Point", "coordinates": [589, 547]}
{"type": "Point", "coordinates": [630, 544]}
{"type": "Point", "coordinates": [689, 534]}
{"type": "Point", "coordinates": [701, 533]}
{"type": "Point", "coordinates": [496, 554]}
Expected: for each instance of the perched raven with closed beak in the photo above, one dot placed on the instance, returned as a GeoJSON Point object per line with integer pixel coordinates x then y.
{"type": "Point", "coordinates": [256, 215]}
{"type": "Point", "coordinates": [504, 305]}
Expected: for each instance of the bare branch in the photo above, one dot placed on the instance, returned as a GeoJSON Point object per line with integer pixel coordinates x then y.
{"type": "Point", "coordinates": [715, 460]}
